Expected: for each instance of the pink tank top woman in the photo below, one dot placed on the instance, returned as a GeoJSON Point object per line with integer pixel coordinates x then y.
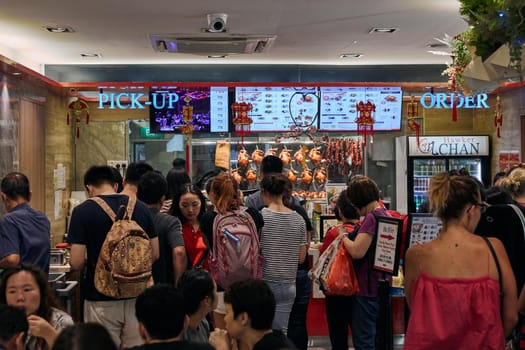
{"type": "Point", "coordinates": [455, 313]}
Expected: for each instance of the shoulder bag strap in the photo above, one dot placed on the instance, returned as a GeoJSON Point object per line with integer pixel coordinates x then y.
{"type": "Point", "coordinates": [520, 215]}
{"type": "Point", "coordinates": [202, 259]}
{"type": "Point", "coordinates": [102, 203]}
{"type": "Point", "coordinates": [131, 206]}
{"type": "Point", "coordinates": [493, 252]}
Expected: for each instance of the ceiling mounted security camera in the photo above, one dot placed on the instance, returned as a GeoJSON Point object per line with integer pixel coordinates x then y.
{"type": "Point", "coordinates": [217, 22]}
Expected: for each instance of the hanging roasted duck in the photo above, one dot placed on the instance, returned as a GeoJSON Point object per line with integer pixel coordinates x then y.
{"type": "Point", "coordinates": [243, 159]}
{"type": "Point", "coordinates": [315, 155]}
{"type": "Point", "coordinates": [306, 177]}
{"type": "Point", "coordinates": [251, 176]}
{"type": "Point", "coordinates": [320, 175]}
{"type": "Point", "coordinates": [257, 156]}
{"type": "Point", "coordinates": [292, 175]}
{"type": "Point", "coordinates": [285, 156]}
{"type": "Point", "coordinates": [236, 176]}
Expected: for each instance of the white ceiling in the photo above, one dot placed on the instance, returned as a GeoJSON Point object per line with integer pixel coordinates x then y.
{"type": "Point", "coordinates": [308, 31]}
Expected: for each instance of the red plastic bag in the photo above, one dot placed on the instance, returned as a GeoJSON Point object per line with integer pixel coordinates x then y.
{"type": "Point", "coordinates": [341, 279]}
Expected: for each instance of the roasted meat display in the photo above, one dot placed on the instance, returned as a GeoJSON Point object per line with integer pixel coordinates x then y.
{"type": "Point", "coordinates": [309, 167]}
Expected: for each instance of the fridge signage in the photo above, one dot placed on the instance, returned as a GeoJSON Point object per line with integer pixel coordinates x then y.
{"type": "Point", "coordinates": [449, 146]}
{"type": "Point", "coordinates": [132, 100]}
{"type": "Point", "coordinates": [442, 100]}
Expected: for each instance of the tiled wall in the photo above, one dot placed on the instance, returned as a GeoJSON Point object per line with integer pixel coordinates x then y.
{"type": "Point", "coordinates": [59, 150]}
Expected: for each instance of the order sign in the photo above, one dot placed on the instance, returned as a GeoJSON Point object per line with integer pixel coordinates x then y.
{"type": "Point", "coordinates": [388, 242]}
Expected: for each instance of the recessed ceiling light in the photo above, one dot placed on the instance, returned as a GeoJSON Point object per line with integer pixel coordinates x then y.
{"type": "Point", "coordinates": [437, 45]}
{"type": "Point", "coordinates": [439, 53]}
{"type": "Point", "coordinates": [59, 29]}
{"type": "Point", "coordinates": [382, 30]}
{"type": "Point", "coordinates": [217, 56]}
{"type": "Point", "coordinates": [350, 55]}
{"type": "Point", "coordinates": [16, 73]}
{"type": "Point", "coordinates": [91, 55]}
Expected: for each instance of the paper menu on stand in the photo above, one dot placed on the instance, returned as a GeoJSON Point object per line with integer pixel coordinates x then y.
{"type": "Point", "coordinates": [423, 228]}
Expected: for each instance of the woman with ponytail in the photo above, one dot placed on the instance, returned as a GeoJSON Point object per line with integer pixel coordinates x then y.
{"type": "Point", "coordinates": [460, 286]}
{"type": "Point", "coordinates": [226, 197]}
{"type": "Point", "coordinates": [283, 245]}
{"type": "Point", "coordinates": [514, 183]}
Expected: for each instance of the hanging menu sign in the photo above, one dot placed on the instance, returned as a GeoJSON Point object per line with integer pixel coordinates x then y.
{"type": "Point", "coordinates": [279, 108]}
{"type": "Point", "coordinates": [338, 107]}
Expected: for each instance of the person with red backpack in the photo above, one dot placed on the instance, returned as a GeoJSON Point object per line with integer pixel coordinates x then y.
{"type": "Point", "coordinates": [337, 306]}
{"type": "Point", "coordinates": [232, 234]}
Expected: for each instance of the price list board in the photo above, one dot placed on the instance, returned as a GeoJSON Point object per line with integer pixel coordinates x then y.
{"type": "Point", "coordinates": [338, 110]}
{"type": "Point", "coordinates": [277, 109]}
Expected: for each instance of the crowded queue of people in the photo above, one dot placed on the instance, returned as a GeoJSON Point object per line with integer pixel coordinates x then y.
{"type": "Point", "coordinates": [460, 287]}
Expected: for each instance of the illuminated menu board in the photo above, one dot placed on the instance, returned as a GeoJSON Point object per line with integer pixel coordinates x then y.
{"type": "Point", "coordinates": [278, 108]}
{"type": "Point", "coordinates": [210, 108]}
{"type": "Point", "coordinates": [338, 107]}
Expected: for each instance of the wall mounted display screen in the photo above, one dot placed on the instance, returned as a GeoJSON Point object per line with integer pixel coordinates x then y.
{"type": "Point", "coordinates": [210, 108]}
{"type": "Point", "coordinates": [338, 107]}
{"type": "Point", "coordinates": [278, 108]}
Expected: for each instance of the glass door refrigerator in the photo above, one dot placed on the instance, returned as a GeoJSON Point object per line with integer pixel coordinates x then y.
{"type": "Point", "coordinates": [417, 164]}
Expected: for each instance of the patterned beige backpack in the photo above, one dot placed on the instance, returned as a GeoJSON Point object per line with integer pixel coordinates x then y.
{"type": "Point", "coordinates": [125, 261]}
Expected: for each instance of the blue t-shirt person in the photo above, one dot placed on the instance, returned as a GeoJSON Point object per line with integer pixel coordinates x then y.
{"type": "Point", "coordinates": [26, 232]}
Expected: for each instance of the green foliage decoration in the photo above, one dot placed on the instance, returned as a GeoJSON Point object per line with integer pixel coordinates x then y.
{"type": "Point", "coordinates": [494, 23]}
{"type": "Point", "coordinates": [461, 58]}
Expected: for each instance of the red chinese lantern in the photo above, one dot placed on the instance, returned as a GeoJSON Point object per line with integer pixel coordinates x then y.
{"type": "Point", "coordinates": [498, 117]}
{"type": "Point", "coordinates": [365, 121]}
{"type": "Point", "coordinates": [412, 115]}
{"type": "Point", "coordinates": [241, 118]}
{"type": "Point", "coordinates": [77, 108]}
{"type": "Point", "coordinates": [187, 117]}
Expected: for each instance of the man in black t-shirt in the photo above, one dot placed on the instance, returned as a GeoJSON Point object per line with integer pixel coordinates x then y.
{"type": "Point", "coordinates": [152, 190]}
{"type": "Point", "coordinates": [87, 231]}
{"type": "Point", "coordinates": [250, 308]}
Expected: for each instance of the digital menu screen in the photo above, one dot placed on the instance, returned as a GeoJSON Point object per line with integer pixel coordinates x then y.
{"type": "Point", "coordinates": [210, 108]}
{"type": "Point", "coordinates": [276, 109]}
{"type": "Point", "coordinates": [338, 107]}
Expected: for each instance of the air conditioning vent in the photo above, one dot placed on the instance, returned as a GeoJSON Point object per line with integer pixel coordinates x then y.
{"type": "Point", "coordinates": [212, 44]}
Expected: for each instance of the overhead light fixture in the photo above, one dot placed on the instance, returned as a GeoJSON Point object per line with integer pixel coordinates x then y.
{"type": "Point", "coordinates": [437, 45]}
{"type": "Point", "coordinates": [16, 73]}
{"type": "Point", "coordinates": [383, 30]}
{"type": "Point", "coordinates": [217, 56]}
{"type": "Point", "coordinates": [90, 55]}
{"type": "Point", "coordinates": [59, 29]}
{"type": "Point", "coordinates": [439, 53]}
{"type": "Point", "coordinates": [350, 55]}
